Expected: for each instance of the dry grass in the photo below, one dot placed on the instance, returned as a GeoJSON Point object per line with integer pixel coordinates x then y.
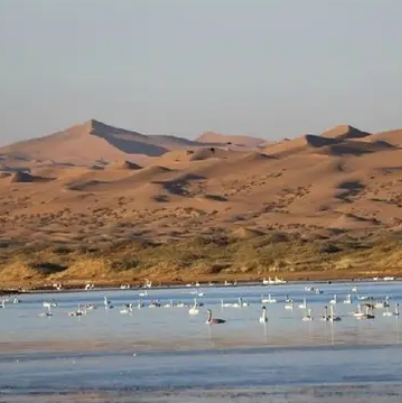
{"type": "Point", "coordinates": [213, 258]}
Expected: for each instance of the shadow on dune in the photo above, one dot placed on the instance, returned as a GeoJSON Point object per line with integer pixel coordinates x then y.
{"type": "Point", "coordinates": [177, 186]}
{"type": "Point", "coordinates": [132, 146]}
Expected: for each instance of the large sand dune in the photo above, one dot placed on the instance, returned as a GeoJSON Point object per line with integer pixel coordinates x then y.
{"type": "Point", "coordinates": [81, 182]}
{"type": "Point", "coordinates": [90, 143]}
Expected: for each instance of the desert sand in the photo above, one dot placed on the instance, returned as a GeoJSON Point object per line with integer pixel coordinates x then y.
{"type": "Point", "coordinates": [95, 185]}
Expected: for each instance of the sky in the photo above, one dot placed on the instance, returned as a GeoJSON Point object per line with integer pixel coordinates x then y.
{"type": "Point", "coordinates": [268, 68]}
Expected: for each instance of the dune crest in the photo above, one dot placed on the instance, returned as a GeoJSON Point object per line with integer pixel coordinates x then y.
{"type": "Point", "coordinates": [218, 138]}
{"type": "Point", "coordinates": [344, 132]}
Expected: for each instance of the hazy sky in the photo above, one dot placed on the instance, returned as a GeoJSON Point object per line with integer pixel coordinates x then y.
{"type": "Point", "coordinates": [271, 68]}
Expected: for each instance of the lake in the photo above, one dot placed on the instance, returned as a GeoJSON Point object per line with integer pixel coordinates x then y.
{"type": "Point", "coordinates": [166, 355]}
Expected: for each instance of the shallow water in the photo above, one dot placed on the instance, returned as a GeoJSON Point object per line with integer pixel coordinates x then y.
{"type": "Point", "coordinates": [165, 354]}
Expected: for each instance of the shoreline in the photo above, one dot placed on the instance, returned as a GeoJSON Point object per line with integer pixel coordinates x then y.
{"type": "Point", "coordinates": [354, 392]}
{"type": "Point", "coordinates": [114, 286]}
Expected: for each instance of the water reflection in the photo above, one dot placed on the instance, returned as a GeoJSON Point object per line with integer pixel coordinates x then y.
{"type": "Point", "coordinates": [174, 328]}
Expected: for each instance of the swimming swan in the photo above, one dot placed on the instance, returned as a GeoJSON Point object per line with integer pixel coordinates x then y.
{"type": "Point", "coordinates": [263, 317]}
{"type": "Point", "coordinates": [213, 321]}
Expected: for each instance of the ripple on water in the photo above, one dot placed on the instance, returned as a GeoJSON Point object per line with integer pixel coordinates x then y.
{"type": "Point", "coordinates": [165, 354]}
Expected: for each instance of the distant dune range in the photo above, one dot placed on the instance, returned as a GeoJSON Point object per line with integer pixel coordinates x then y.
{"type": "Point", "coordinates": [95, 183]}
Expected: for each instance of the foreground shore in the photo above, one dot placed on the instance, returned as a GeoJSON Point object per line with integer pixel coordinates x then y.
{"type": "Point", "coordinates": [351, 393]}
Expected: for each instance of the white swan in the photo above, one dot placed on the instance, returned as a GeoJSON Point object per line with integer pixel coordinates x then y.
{"type": "Point", "coordinates": [382, 304]}
{"type": "Point", "coordinates": [230, 304]}
{"type": "Point", "coordinates": [242, 303]}
{"type": "Point", "coordinates": [226, 304]}
{"type": "Point", "coordinates": [194, 309]}
{"type": "Point", "coordinates": [389, 313]}
{"type": "Point", "coordinates": [289, 306]}
{"type": "Point", "coordinates": [50, 304]}
{"type": "Point", "coordinates": [359, 314]}
{"type": "Point", "coordinates": [333, 317]}
{"type": "Point", "coordinates": [303, 305]}
{"type": "Point", "coordinates": [308, 316]}
{"type": "Point", "coordinates": [198, 293]}
{"type": "Point", "coordinates": [263, 317]}
{"type": "Point", "coordinates": [107, 303]}
{"type": "Point", "coordinates": [127, 309]}
{"type": "Point", "coordinates": [348, 299]}
{"type": "Point", "coordinates": [169, 304]}
{"type": "Point", "coordinates": [334, 300]}
{"type": "Point", "coordinates": [268, 300]}
{"type": "Point", "coordinates": [77, 312]}
{"type": "Point", "coordinates": [396, 312]}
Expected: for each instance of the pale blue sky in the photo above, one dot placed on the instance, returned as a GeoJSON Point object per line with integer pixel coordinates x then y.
{"type": "Point", "coordinates": [271, 68]}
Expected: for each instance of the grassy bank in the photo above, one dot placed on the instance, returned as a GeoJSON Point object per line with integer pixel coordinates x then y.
{"type": "Point", "coordinates": [203, 258]}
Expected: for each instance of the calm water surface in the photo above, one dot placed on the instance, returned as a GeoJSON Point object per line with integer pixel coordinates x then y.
{"type": "Point", "coordinates": [164, 354]}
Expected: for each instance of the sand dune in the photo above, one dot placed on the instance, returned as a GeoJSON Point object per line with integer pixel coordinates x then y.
{"type": "Point", "coordinates": [343, 132]}
{"type": "Point", "coordinates": [344, 179]}
{"type": "Point", "coordinates": [124, 165]}
{"type": "Point", "coordinates": [90, 143]}
{"type": "Point", "coordinates": [195, 157]}
{"type": "Point", "coordinates": [356, 147]}
{"type": "Point", "coordinates": [206, 153]}
{"type": "Point", "coordinates": [335, 142]}
{"type": "Point", "coordinates": [351, 221]}
{"type": "Point", "coordinates": [24, 177]}
{"type": "Point", "coordinates": [217, 138]}
{"type": "Point", "coordinates": [393, 137]}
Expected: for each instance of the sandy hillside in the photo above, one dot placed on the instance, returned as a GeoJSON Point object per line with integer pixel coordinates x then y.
{"type": "Point", "coordinates": [292, 206]}
{"type": "Point", "coordinates": [345, 179]}
{"type": "Point", "coordinates": [92, 143]}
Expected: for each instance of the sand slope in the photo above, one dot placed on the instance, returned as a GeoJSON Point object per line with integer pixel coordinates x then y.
{"type": "Point", "coordinates": [92, 142]}
{"type": "Point", "coordinates": [343, 180]}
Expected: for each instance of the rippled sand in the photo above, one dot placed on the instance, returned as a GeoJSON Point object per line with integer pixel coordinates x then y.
{"type": "Point", "coordinates": [384, 393]}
